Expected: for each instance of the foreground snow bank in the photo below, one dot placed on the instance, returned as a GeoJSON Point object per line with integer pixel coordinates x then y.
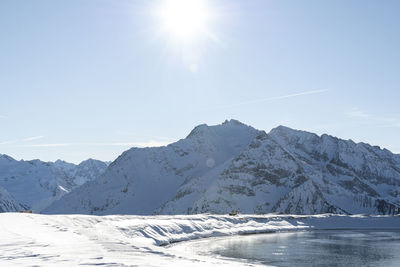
{"type": "Point", "coordinates": [31, 239]}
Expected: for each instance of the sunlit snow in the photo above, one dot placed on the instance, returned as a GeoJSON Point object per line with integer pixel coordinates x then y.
{"type": "Point", "coordinates": [70, 240]}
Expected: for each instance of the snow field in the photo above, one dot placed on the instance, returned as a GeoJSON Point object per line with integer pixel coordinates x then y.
{"type": "Point", "coordinates": [119, 240]}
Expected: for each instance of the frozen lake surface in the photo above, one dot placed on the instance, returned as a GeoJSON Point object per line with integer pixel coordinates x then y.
{"type": "Point", "coordinates": [311, 248]}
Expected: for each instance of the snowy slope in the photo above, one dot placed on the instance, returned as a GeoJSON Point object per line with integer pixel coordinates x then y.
{"type": "Point", "coordinates": [36, 184]}
{"type": "Point", "coordinates": [234, 166]}
{"type": "Point", "coordinates": [141, 180]}
{"type": "Point", "coordinates": [72, 240]}
{"type": "Point", "coordinates": [8, 203]}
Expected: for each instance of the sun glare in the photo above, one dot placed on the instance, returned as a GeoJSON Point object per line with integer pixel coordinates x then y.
{"type": "Point", "coordinates": [184, 19]}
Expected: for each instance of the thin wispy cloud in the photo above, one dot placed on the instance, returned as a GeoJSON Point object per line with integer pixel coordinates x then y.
{"type": "Point", "coordinates": [369, 118]}
{"type": "Point", "coordinates": [3, 117]}
{"type": "Point", "coordinates": [355, 113]}
{"type": "Point", "coordinates": [8, 142]}
{"type": "Point", "coordinates": [28, 139]}
{"type": "Point", "coordinates": [267, 99]}
{"type": "Point", "coordinates": [151, 143]}
{"type": "Point", "coordinates": [132, 135]}
{"type": "Point", "coordinates": [32, 138]}
{"type": "Point", "coordinates": [47, 145]}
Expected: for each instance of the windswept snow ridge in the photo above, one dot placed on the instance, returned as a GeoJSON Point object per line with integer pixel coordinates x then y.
{"type": "Point", "coordinates": [71, 240]}
{"type": "Point", "coordinates": [217, 169]}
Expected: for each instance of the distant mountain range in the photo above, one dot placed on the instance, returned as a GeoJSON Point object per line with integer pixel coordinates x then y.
{"type": "Point", "coordinates": [217, 169]}
{"type": "Point", "coordinates": [36, 184]}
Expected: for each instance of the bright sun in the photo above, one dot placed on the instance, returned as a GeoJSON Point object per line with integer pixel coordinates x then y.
{"type": "Point", "coordinates": [184, 19]}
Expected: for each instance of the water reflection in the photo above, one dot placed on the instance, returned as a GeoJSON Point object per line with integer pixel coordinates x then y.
{"type": "Point", "coordinates": [319, 248]}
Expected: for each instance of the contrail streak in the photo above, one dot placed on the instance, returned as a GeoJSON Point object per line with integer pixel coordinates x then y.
{"type": "Point", "coordinates": [313, 92]}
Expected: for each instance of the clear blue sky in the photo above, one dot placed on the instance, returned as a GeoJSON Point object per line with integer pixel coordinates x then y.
{"type": "Point", "coordinates": [82, 78]}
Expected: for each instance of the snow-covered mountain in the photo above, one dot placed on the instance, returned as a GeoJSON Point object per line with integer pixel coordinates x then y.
{"type": "Point", "coordinates": [36, 184]}
{"type": "Point", "coordinates": [8, 203]}
{"type": "Point", "coordinates": [234, 166]}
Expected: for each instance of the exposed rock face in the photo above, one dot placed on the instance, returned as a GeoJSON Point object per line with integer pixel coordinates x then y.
{"type": "Point", "coordinates": [234, 166]}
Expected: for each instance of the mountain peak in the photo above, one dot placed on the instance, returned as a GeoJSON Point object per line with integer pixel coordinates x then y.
{"type": "Point", "coordinates": [228, 127]}
{"type": "Point", "coordinates": [198, 130]}
{"type": "Point", "coordinates": [93, 162]}
{"type": "Point", "coordinates": [59, 161]}
{"type": "Point", "coordinates": [284, 131]}
{"type": "Point", "coordinates": [233, 122]}
{"type": "Point", "coordinates": [4, 156]}
{"type": "Point", "coordinates": [87, 161]}
{"type": "Point", "coordinates": [231, 165]}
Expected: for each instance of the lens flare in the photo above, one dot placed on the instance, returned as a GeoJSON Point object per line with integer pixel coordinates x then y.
{"type": "Point", "coordinates": [184, 19]}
